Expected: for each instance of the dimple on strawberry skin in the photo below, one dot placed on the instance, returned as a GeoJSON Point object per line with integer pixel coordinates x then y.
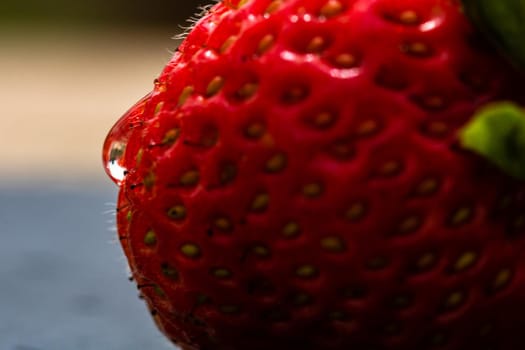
{"type": "Point", "coordinates": [296, 179]}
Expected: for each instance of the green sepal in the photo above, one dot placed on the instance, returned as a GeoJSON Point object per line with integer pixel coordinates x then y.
{"type": "Point", "coordinates": [497, 132]}
{"type": "Point", "coordinates": [503, 22]}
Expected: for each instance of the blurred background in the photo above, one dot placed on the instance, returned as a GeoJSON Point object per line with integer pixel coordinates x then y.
{"type": "Point", "coordinates": [68, 70]}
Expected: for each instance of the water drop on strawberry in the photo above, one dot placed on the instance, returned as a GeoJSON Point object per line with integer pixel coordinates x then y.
{"type": "Point", "coordinates": [114, 149]}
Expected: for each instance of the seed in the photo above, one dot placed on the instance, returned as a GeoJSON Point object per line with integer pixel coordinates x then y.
{"type": "Point", "coordinates": [291, 229]}
{"type": "Point", "coordinates": [409, 17]}
{"type": "Point", "coordinates": [265, 44]}
{"type": "Point", "coordinates": [306, 271]}
{"type": "Point", "coordinates": [465, 261]}
{"type": "Point", "coordinates": [185, 94]}
{"type": "Point", "coordinates": [312, 190]}
{"type": "Point", "coordinates": [460, 216]}
{"type": "Point", "coordinates": [276, 163]}
{"type": "Point", "coordinates": [427, 187]}
{"type": "Point", "coordinates": [223, 224]}
{"type": "Point", "coordinates": [454, 300]}
{"type": "Point", "coordinates": [255, 130]}
{"type": "Point", "coordinates": [169, 272]}
{"type": "Point", "coordinates": [356, 211]}
{"type": "Point", "coordinates": [190, 250]}
{"type": "Point", "coordinates": [214, 86]}
{"type": "Point", "coordinates": [171, 136]}
{"type": "Point", "coordinates": [150, 238]}
{"type": "Point", "coordinates": [177, 212]}
{"type": "Point", "coordinates": [221, 273]}
{"type": "Point", "coordinates": [190, 178]}
{"type": "Point", "coordinates": [333, 244]}
{"type": "Point", "coordinates": [345, 60]}
{"type": "Point", "coordinates": [260, 203]}
{"type": "Point", "coordinates": [409, 224]}
{"type": "Point", "coordinates": [247, 90]}
{"type": "Point", "coordinates": [274, 6]}
{"type": "Point", "coordinates": [331, 8]}
{"type": "Point", "coordinates": [316, 45]}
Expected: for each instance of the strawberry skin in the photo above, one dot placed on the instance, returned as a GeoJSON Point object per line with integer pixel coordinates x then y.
{"type": "Point", "coordinates": [295, 180]}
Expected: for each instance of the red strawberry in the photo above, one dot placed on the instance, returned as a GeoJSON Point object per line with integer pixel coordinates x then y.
{"type": "Point", "coordinates": [295, 180]}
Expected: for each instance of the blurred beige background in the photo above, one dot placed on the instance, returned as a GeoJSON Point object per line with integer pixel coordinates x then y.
{"type": "Point", "coordinates": [62, 90]}
{"type": "Point", "coordinates": [68, 71]}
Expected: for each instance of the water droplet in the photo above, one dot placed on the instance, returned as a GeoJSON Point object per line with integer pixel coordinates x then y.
{"type": "Point", "coordinates": [117, 139]}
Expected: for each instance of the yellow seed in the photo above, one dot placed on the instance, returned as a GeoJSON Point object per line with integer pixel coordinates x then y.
{"type": "Point", "coordinates": [227, 44]}
{"type": "Point", "coordinates": [324, 119]}
{"type": "Point", "coordinates": [247, 90]}
{"type": "Point", "coordinates": [390, 168]}
{"type": "Point", "coordinates": [465, 261]}
{"type": "Point", "coordinates": [149, 180]}
{"type": "Point", "coordinates": [367, 128]}
{"type": "Point", "coordinates": [260, 203]}
{"type": "Point", "coordinates": [502, 278]}
{"type": "Point", "coordinates": [291, 229]}
{"type": "Point", "coordinates": [177, 212]}
{"type": "Point", "coordinates": [433, 102]}
{"type": "Point", "coordinates": [460, 216]}
{"type": "Point", "coordinates": [437, 128]}
{"type": "Point", "coordinates": [409, 224]}
{"type": "Point", "coordinates": [185, 94]}
{"type": "Point", "coordinates": [255, 130]}
{"type": "Point", "coordinates": [223, 224]}
{"type": "Point", "coordinates": [171, 136]}
{"type": "Point", "coordinates": [229, 309]}
{"type": "Point", "coordinates": [377, 263]}
{"type": "Point", "coordinates": [274, 5]}
{"type": "Point", "coordinates": [190, 178]}
{"type": "Point", "coordinates": [409, 17]}
{"type": "Point", "coordinates": [295, 94]}
{"type": "Point", "coordinates": [150, 238]}
{"type": "Point", "coordinates": [214, 86]}
{"type": "Point", "coordinates": [312, 190]}
{"type": "Point", "coordinates": [158, 107]}
{"type": "Point", "coordinates": [221, 273]}
{"type": "Point", "coordinates": [159, 291]}
{"type": "Point", "coordinates": [265, 44]}
{"type": "Point", "coordinates": [356, 211]}
{"type": "Point", "coordinates": [454, 300]}
{"type": "Point", "coordinates": [425, 261]}
{"type": "Point", "coordinates": [333, 244]}
{"type": "Point", "coordinates": [316, 45]}
{"type": "Point", "coordinates": [261, 251]}
{"type": "Point", "coordinates": [190, 250]}
{"type": "Point", "coordinates": [416, 49]}
{"type": "Point", "coordinates": [306, 271]}
{"type": "Point", "coordinates": [336, 315]}
{"type": "Point", "coordinates": [170, 272]}
{"type": "Point", "coordinates": [345, 60]}
{"type": "Point", "coordinates": [140, 155]}
{"type": "Point", "coordinates": [301, 299]}
{"type": "Point", "coordinates": [331, 8]}
{"type": "Point", "coordinates": [276, 163]}
{"type": "Point", "coordinates": [427, 187]}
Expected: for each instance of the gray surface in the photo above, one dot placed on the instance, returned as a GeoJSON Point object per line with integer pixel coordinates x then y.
{"type": "Point", "coordinates": [63, 280]}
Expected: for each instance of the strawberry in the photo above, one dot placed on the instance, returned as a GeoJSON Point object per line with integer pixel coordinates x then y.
{"type": "Point", "coordinates": [296, 179]}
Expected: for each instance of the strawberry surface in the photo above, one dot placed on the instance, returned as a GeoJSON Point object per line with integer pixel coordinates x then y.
{"type": "Point", "coordinates": [295, 179]}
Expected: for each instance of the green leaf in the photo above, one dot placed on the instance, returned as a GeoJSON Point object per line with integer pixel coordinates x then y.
{"type": "Point", "coordinates": [497, 132]}
{"type": "Point", "coordinates": [503, 23]}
